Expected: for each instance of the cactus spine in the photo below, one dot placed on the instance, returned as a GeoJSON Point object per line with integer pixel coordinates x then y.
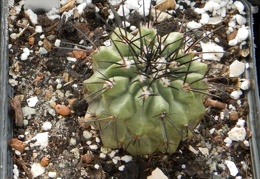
{"type": "Point", "coordinates": [147, 91]}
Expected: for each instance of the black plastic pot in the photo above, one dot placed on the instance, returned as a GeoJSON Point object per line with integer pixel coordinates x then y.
{"type": "Point", "coordinates": [253, 97]}
{"type": "Point", "coordinates": [5, 122]}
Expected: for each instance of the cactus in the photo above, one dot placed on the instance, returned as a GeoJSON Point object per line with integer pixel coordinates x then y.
{"type": "Point", "coordinates": [147, 92]}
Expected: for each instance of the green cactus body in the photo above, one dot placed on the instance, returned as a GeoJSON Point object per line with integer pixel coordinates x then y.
{"type": "Point", "coordinates": [146, 92]}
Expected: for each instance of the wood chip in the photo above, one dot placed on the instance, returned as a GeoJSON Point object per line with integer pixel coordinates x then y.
{"type": "Point", "coordinates": [16, 104]}
{"type": "Point", "coordinates": [166, 4]}
{"type": "Point", "coordinates": [17, 144]}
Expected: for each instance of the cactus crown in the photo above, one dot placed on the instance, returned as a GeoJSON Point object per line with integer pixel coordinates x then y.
{"type": "Point", "coordinates": [146, 91]}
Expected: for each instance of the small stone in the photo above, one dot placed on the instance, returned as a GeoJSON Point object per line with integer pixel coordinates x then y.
{"type": "Point", "coordinates": [245, 85]}
{"type": "Point", "coordinates": [96, 166]}
{"type": "Point", "coordinates": [232, 35]}
{"type": "Point", "coordinates": [236, 94]}
{"type": "Point", "coordinates": [57, 42]}
{"type": "Point", "coordinates": [32, 101]}
{"type": "Point", "coordinates": [73, 141]}
{"type": "Point", "coordinates": [42, 140]}
{"type": "Point", "coordinates": [52, 174]}
{"type": "Point", "coordinates": [157, 173]}
{"type": "Point", "coordinates": [87, 158]}
{"type": "Point", "coordinates": [237, 133]}
{"type": "Point", "coordinates": [46, 126]}
{"type": "Point", "coordinates": [121, 168]}
{"type": "Point", "coordinates": [38, 29]}
{"type": "Point", "coordinates": [37, 169]}
{"type": "Point", "coordinates": [204, 151]}
{"type": "Point", "coordinates": [45, 161]}
{"type": "Point", "coordinates": [228, 141]}
{"type": "Point", "coordinates": [62, 110]}
{"type": "Point", "coordinates": [233, 115]}
{"type": "Point", "coordinates": [102, 155]}
{"type": "Point", "coordinates": [42, 51]}
{"type": "Point", "coordinates": [31, 40]}
{"type": "Point", "coordinates": [17, 144]}
{"type": "Point", "coordinates": [93, 147]}
{"type": "Point", "coordinates": [127, 158]}
{"type": "Point", "coordinates": [87, 134]}
{"type": "Point", "coordinates": [236, 68]}
{"type": "Point", "coordinates": [232, 167]}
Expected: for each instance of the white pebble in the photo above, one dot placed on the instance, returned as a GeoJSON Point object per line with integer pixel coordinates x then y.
{"type": "Point", "coordinates": [41, 139]}
{"type": "Point", "coordinates": [46, 126]}
{"type": "Point", "coordinates": [123, 11]}
{"type": "Point", "coordinates": [232, 24]}
{"type": "Point", "coordinates": [236, 94]}
{"type": "Point", "coordinates": [16, 171]}
{"type": "Point", "coordinates": [115, 161]}
{"type": "Point", "coordinates": [87, 134]}
{"type": "Point", "coordinates": [240, 19]}
{"type": "Point", "coordinates": [246, 143]}
{"type": "Point", "coordinates": [32, 101]}
{"type": "Point", "coordinates": [102, 155]}
{"type": "Point", "coordinates": [96, 166]}
{"type": "Point", "coordinates": [241, 123]}
{"type": "Point", "coordinates": [127, 158]}
{"type": "Point", "coordinates": [211, 5]}
{"type": "Point", "coordinates": [42, 36]}
{"type": "Point", "coordinates": [17, 152]}
{"type": "Point", "coordinates": [52, 174]}
{"type": "Point", "coordinates": [112, 154]}
{"type": "Point", "coordinates": [71, 59]}
{"type": "Point", "coordinates": [25, 54]}
{"type": "Point", "coordinates": [73, 141]}
{"type": "Point", "coordinates": [81, 7]}
{"type": "Point", "coordinates": [199, 10]}
{"type": "Point", "coordinates": [204, 18]}
{"type": "Point", "coordinates": [38, 29]}
{"type": "Point", "coordinates": [57, 42]}
{"type": "Point", "coordinates": [237, 133]}
{"type": "Point", "coordinates": [93, 147]}
{"type": "Point", "coordinates": [245, 85]}
{"type": "Point", "coordinates": [37, 170]}
{"type": "Point", "coordinates": [232, 42]}
{"type": "Point", "coordinates": [242, 34]}
{"type": "Point", "coordinates": [132, 28]}
{"type": "Point", "coordinates": [211, 48]}
{"type": "Point", "coordinates": [240, 7]}
{"type": "Point", "coordinates": [193, 25]}
{"type": "Point", "coordinates": [212, 130]}
{"type": "Point", "coordinates": [121, 168]}
{"type": "Point", "coordinates": [236, 68]}
{"type": "Point", "coordinates": [32, 16]}
{"type": "Point", "coordinates": [232, 167]}
{"type": "Point", "coordinates": [228, 141]}
{"type": "Point", "coordinates": [97, 140]}
{"type": "Point", "coordinates": [40, 42]}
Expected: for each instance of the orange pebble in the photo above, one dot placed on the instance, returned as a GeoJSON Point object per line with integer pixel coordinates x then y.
{"type": "Point", "coordinates": [62, 109]}
{"type": "Point", "coordinates": [45, 161]}
{"type": "Point", "coordinates": [17, 144]}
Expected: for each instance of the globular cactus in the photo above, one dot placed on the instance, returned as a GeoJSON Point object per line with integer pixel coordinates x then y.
{"type": "Point", "coordinates": [147, 91]}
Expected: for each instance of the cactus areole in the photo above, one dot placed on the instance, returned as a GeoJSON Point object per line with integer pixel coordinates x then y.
{"type": "Point", "coordinates": [147, 91]}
